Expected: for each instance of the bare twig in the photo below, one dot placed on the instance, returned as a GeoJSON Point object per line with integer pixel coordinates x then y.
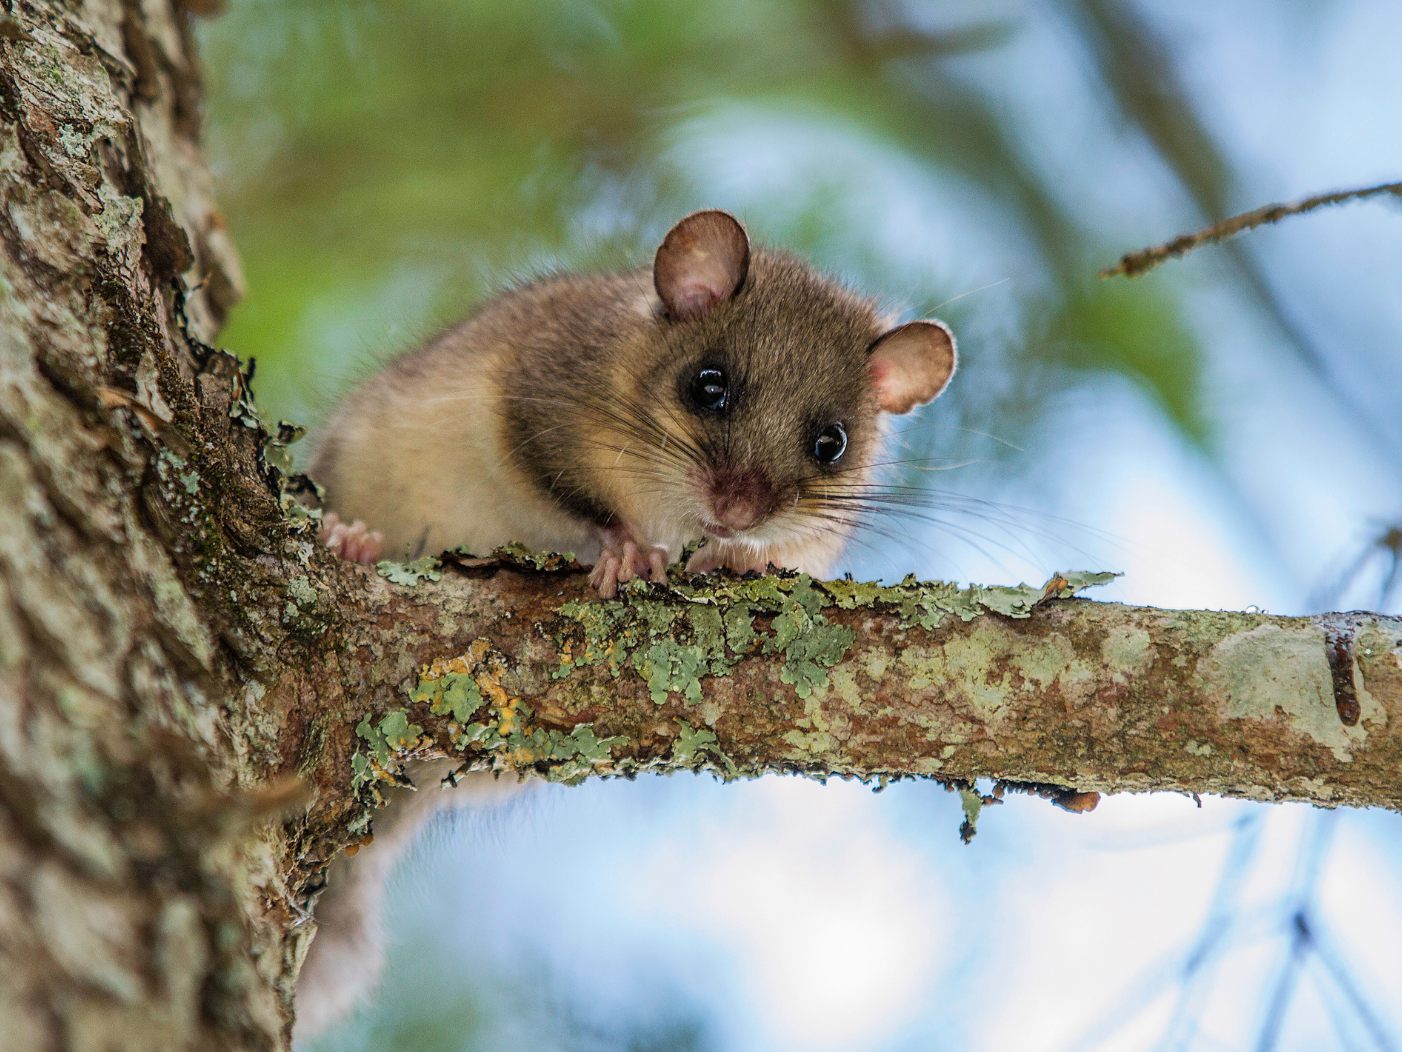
{"type": "Point", "coordinates": [1133, 264]}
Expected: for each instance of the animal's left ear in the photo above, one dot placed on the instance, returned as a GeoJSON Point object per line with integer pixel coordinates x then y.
{"type": "Point", "coordinates": [911, 365]}
{"type": "Point", "coordinates": [701, 262]}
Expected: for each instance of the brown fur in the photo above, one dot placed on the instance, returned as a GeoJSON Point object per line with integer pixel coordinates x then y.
{"type": "Point", "coordinates": [583, 378]}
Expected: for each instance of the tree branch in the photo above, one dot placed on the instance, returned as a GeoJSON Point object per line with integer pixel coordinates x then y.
{"type": "Point", "coordinates": [517, 668]}
{"type": "Point", "coordinates": [1132, 264]}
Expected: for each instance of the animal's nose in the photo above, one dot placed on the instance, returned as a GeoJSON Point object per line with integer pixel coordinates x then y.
{"type": "Point", "coordinates": [740, 500]}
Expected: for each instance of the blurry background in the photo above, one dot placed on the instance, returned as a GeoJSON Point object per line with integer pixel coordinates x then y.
{"type": "Point", "coordinates": [1227, 431]}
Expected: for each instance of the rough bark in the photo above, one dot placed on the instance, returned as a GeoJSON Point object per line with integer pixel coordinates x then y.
{"type": "Point", "coordinates": [131, 505]}
{"type": "Point", "coordinates": [842, 678]}
{"type": "Point", "coordinates": [198, 706]}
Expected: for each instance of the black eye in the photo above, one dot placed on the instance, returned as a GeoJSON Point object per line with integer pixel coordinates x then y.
{"type": "Point", "coordinates": [710, 391]}
{"type": "Point", "coordinates": [830, 444]}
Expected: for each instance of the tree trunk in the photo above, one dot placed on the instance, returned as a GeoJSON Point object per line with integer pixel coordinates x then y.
{"type": "Point", "coordinates": [198, 705]}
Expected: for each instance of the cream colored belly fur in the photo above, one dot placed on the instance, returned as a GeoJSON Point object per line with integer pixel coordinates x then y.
{"type": "Point", "coordinates": [431, 474]}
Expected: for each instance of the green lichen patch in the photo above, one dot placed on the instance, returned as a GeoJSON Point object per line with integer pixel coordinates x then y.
{"type": "Point", "coordinates": [301, 602]}
{"type": "Point", "coordinates": [120, 217]}
{"type": "Point", "coordinates": [810, 742]}
{"type": "Point", "coordinates": [739, 626]}
{"type": "Point", "coordinates": [1069, 583]}
{"type": "Point", "coordinates": [674, 639]}
{"type": "Point", "coordinates": [673, 645]}
{"type": "Point", "coordinates": [510, 740]}
{"type": "Point", "coordinates": [693, 744]}
{"type": "Point", "coordinates": [927, 603]}
{"type": "Point", "coordinates": [810, 646]}
{"type": "Point", "coordinates": [298, 496]}
{"type": "Point", "coordinates": [923, 604]}
{"type": "Point", "coordinates": [298, 513]}
{"type": "Point", "coordinates": [373, 763]}
{"type": "Point", "coordinates": [410, 573]}
{"type": "Point", "coordinates": [490, 725]}
{"type": "Point", "coordinates": [513, 555]}
{"type": "Point", "coordinates": [973, 802]}
{"type": "Point", "coordinates": [1127, 651]}
{"type": "Point", "coordinates": [575, 756]}
{"type": "Point", "coordinates": [301, 590]}
{"type": "Point", "coordinates": [543, 562]}
{"type": "Point", "coordinates": [398, 733]}
{"type": "Point", "coordinates": [669, 666]}
{"type": "Point", "coordinates": [454, 694]}
{"type": "Point", "coordinates": [275, 446]}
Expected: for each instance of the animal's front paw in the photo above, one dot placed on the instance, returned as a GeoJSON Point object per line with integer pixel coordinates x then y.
{"type": "Point", "coordinates": [622, 559]}
{"type": "Point", "coordinates": [354, 542]}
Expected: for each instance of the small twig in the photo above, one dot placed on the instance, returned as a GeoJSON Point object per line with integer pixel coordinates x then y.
{"type": "Point", "coordinates": [1133, 264]}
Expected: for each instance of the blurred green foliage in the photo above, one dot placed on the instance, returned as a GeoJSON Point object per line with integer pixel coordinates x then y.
{"type": "Point", "coordinates": [385, 164]}
{"type": "Point", "coordinates": [429, 1003]}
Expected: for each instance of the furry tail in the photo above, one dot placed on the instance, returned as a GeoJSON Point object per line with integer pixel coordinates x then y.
{"type": "Point", "coordinates": [347, 953]}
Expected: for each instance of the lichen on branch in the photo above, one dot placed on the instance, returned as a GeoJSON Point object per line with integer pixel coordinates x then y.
{"type": "Point", "coordinates": [1026, 685]}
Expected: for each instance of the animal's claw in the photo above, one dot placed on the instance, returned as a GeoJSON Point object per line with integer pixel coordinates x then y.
{"type": "Point", "coordinates": [622, 559]}
{"type": "Point", "coordinates": [355, 542]}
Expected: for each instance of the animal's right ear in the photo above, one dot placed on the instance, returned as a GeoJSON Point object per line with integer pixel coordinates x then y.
{"type": "Point", "coordinates": [701, 262]}
{"type": "Point", "coordinates": [911, 365]}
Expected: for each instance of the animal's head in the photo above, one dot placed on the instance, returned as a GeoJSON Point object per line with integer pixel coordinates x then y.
{"type": "Point", "coordinates": [775, 383]}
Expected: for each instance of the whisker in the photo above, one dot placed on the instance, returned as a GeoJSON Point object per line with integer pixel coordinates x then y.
{"type": "Point", "coordinates": [920, 496]}
{"type": "Point", "coordinates": [1011, 525]}
{"type": "Point", "coordinates": [933, 425]}
{"type": "Point", "coordinates": [647, 433]}
{"type": "Point", "coordinates": [971, 292]}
